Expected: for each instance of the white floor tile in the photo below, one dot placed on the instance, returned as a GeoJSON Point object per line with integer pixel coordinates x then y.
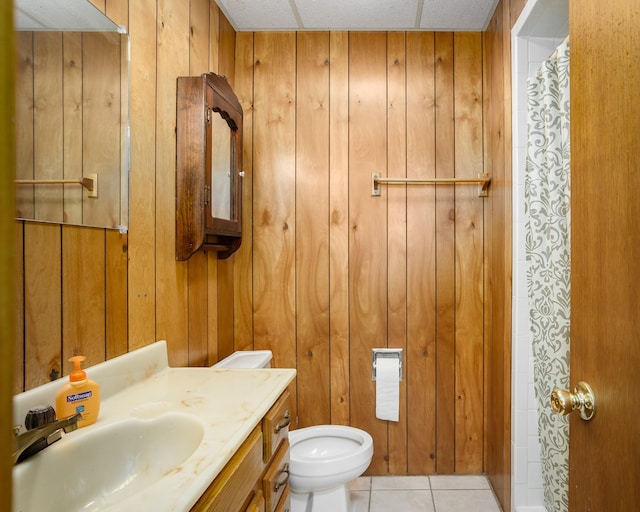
{"type": "Point", "coordinates": [401, 501]}
{"type": "Point", "coordinates": [379, 483]}
{"type": "Point", "coordinates": [359, 501]}
{"type": "Point", "coordinates": [464, 501]}
{"type": "Point", "coordinates": [459, 482]}
{"type": "Point", "coordinates": [360, 484]}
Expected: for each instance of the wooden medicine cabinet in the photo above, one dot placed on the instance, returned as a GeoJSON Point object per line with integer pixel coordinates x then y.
{"type": "Point", "coordinates": [208, 166]}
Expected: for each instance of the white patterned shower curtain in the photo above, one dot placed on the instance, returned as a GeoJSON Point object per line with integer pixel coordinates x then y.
{"type": "Point", "coordinates": [547, 210]}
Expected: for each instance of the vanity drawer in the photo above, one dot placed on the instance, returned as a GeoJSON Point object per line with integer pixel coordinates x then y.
{"type": "Point", "coordinates": [285, 503]}
{"type": "Point", "coordinates": [276, 424]}
{"type": "Point", "coordinates": [276, 478]}
{"type": "Point", "coordinates": [236, 481]}
{"type": "Point", "coordinates": [257, 503]}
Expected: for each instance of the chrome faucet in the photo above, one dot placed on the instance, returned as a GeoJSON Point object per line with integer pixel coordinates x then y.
{"type": "Point", "coordinates": [32, 441]}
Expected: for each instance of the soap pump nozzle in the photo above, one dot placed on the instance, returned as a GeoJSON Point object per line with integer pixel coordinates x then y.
{"type": "Point", "coordinates": [78, 374]}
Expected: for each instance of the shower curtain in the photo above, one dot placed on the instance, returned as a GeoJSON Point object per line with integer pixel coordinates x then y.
{"type": "Point", "coordinates": [547, 240]}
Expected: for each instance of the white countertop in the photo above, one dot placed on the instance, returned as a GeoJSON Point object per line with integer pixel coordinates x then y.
{"type": "Point", "coordinates": [228, 402]}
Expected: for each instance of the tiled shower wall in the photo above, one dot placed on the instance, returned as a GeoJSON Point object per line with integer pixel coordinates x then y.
{"type": "Point", "coordinates": [528, 53]}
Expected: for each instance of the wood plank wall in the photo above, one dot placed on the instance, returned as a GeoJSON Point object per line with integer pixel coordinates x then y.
{"type": "Point", "coordinates": [498, 141]}
{"type": "Point", "coordinates": [333, 271]}
{"type": "Point", "coordinates": [325, 271]}
{"type": "Point", "coordinates": [100, 293]}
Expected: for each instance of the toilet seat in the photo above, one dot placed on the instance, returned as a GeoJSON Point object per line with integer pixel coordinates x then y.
{"type": "Point", "coordinates": [324, 450]}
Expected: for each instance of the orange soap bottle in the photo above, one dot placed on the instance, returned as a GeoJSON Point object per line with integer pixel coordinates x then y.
{"type": "Point", "coordinates": [80, 394]}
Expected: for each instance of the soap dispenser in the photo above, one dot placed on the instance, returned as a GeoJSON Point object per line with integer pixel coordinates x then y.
{"type": "Point", "coordinates": [79, 395]}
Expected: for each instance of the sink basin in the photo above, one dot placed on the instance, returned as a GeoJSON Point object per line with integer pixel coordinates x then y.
{"type": "Point", "coordinates": [91, 470]}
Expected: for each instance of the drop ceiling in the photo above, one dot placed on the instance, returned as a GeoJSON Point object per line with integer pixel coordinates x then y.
{"type": "Point", "coordinates": [449, 15]}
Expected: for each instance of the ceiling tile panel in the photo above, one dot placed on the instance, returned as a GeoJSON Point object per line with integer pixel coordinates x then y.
{"type": "Point", "coordinates": [257, 15]}
{"type": "Point", "coordinates": [459, 15]}
{"type": "Point", "coordinates": [358, 14]}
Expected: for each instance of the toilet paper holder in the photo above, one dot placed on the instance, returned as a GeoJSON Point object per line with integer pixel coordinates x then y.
{"type": "Point", "coordinates": [387, 353]}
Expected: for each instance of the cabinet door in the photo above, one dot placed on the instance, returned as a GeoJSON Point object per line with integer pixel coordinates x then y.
{"type": "Point", "coordinates": [276, 424]}
{"type": "Point", "coordinates": [257, 503]}
{"type": "Point", "coordinates": [222, 168]}
{"type": "Point", "coordinates": [276, 478]}
{"type": "Point", "coordinates": [235, 483]}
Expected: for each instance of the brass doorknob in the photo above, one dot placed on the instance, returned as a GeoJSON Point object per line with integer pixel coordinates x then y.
{"type": "Point", "coordinates": [582, 399]}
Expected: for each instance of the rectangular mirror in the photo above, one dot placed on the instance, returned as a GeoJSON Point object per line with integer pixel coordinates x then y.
{"type": "Point", "coordinates": [72, 115]}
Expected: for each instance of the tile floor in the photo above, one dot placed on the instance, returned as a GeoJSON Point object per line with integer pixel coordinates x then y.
{"type": "Point", "coordinates": [440, 493]}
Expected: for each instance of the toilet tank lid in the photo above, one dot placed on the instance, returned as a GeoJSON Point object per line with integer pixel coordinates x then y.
{"type": "Point", "coordinates": [246, 359]}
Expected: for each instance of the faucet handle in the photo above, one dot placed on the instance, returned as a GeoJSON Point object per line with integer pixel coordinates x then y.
{"type": "Point", "coordinates": [39, 416]}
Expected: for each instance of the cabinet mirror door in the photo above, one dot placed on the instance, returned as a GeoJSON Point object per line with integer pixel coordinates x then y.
{"type": "Point", "coordinates": [222, 175]}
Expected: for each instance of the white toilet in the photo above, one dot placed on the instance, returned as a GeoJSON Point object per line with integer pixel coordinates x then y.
{"type": "Point", "coordinates": [324, 458]}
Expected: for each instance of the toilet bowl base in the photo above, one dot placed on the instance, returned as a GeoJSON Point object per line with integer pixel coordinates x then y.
{"type": "Point", "coordinates": [336, 499]}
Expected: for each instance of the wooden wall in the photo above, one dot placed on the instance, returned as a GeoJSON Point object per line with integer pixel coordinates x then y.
{"type": "Point", "coordinates": [325, 271]}
{"type": "Point", "coordinates": [100, 293]}
{"type": "Point", "coordinates": [333, 271]}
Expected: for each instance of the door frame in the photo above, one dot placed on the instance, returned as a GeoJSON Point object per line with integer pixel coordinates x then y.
{"type": "Point", "coordinates": [547, 23]}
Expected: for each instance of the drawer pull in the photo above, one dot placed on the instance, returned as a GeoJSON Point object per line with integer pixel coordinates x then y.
{"type": "Point", "coordinates": [285, 423]}
{"type": "Point", "coordinates": [278, 485]}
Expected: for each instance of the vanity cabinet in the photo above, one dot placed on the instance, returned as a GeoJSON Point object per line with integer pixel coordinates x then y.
{"type": "Point", "coordinates": [208, 166]}
{"type": "Point", "coordinates": [256, 477]}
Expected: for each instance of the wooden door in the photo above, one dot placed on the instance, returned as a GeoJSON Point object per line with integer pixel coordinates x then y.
{"type": "Point", "coordinates": [604, 453]}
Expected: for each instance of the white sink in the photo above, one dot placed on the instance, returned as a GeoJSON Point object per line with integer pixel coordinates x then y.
{"type": "Point", "coordinates": [94, 469]}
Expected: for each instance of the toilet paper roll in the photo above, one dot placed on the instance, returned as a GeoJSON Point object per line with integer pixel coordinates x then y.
{"type": "Point", "coordinates": [387, 388]}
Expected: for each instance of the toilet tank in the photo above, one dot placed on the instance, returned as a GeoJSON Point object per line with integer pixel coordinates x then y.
{"type": "Point", "coordinates": [246, 359]}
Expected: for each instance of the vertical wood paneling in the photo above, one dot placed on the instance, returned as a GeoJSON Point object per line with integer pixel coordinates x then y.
{"type": "Point", "coordinates": [129, 269]}
{"type": "Point", "coordinates": [101, 119]}
{"type": "Point", "coordinates": [274, 196]}
{"type": "Point", "coordinates": [339, 226]}
{"type": "Point", "coordinates": [43, 305]}
{"type": "Point", "coordinates": [116, 247]}
{"type": "Point", "coordinates": [198, 264]}
{"type": "Point", "coordinates": [421, 264]}
{"type": "Point", "coordinates": [214, 37]}
{"type": "Point", "coordinates": [118, 11]}
{"type": "Point", "coordinates": [69, 122]}
{"type": "Point", "coordinates": [496, 44]}
{"type": "Point", "coordinates": [224, 313]}
{"type": "Point", "coordinates": [397, 234]}
{"type": "Point", "coordinates": [142, 240]}
{"type": "Point", "coordinates": [24, 112]}
{"type": "Point", "coordinates": [312, 227]}
{"type": "Point", "coordinates": [226, 291]}
{"type": "Point", "coordinates": [243, 267]}
{"type": "Point", "coordinates": [213, 350]}
{"type": "Point", "coordinates": [18, 351]}
{"type": "Point", "coordinates": [172, 283]}
{"type": "Point", "coordinates": [83, 295]}
{"type": "Point", "coordinates": [445, 249]}
{"type": "Point", "coordinates": [48, 123]}
{"type": "Point", "coordinates": [368, 225]}
{"type": "Point", "coordinates": [73, 117]}
{"type": "Point", "coordinates": [325, 271]}
{"type": "Point", "coordinates": [469, 248]}
{"type": "Point", "coordinates": [226, 50]}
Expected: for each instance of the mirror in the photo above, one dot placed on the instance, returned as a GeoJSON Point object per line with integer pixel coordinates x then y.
{"type": "Point", "coordinates": [221, 165]}
{"type": "Point", "coordinates": [72, 115]}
